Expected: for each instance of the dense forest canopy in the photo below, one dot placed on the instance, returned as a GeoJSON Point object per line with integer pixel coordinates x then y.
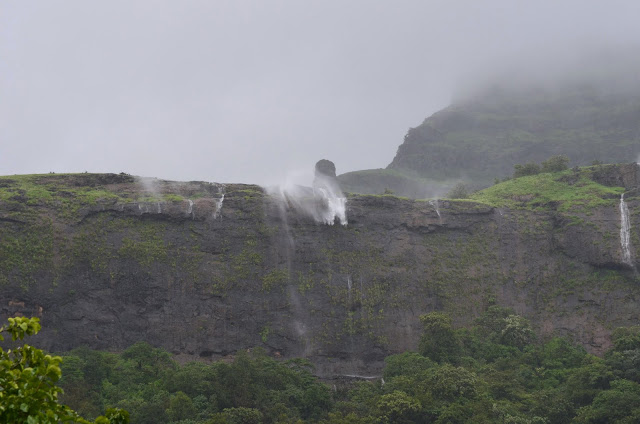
{"type": "Point", "coordinates": [496, 371]}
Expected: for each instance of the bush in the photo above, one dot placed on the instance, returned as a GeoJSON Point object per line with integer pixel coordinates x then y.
{"type": "Point", "coordinates": [529, 168]}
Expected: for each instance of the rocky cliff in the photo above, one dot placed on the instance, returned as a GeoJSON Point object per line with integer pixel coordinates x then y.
{"type": "Point", "coordinates": [207, 269]}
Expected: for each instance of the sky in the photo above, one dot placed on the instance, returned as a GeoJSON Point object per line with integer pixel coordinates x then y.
{"type": "Point", "coordinates": [257, 91]}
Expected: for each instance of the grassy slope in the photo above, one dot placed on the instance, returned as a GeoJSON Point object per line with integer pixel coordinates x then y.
{"type": "Point", "coordinates": [565, 191]}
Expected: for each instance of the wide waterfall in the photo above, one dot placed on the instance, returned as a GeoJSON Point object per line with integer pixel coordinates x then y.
{"type": "Point", "coordinates": [324, 206]}
{"type": "Point", "coordinates": [324, 201]}
{"type": "Point", "coordinates": [625, 233]}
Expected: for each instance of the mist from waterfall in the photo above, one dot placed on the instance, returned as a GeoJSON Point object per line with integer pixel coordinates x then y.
{"type": "Point", "coordinates": [324, 202]}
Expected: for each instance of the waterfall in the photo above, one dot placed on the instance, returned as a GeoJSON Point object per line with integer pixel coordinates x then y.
{"type": "Point", "coordinates": [217, 213]}
{"type": "Point", "coordinates": [218, 210]}
{"type": "Point", "coordinates": [335, 206]}
{"type": "Point", "coordinates": [625, 233]}
{"type": "Point", "coordinates": [324, 204]}
{"type": "Point", "coordinates": [159, 208]}
{"type": "Point", "coordinates": [190, 209]}
{"type": "Point", "coordinates": [349, 284]}
{"type": "Point", "coordinates": [436, 206]}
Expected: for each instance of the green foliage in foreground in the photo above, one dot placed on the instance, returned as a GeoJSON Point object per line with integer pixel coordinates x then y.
{"type": "Point", "coordinates": [28, 377]}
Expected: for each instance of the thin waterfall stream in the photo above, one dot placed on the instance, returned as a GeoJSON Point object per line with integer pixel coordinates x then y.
{"type": "Point", "coordinates": [625, 233]}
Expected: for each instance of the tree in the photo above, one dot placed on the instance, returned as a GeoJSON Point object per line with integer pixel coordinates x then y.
{"type": "Point", "coordinates": [407, 363]}
{"type": "Point", "coordinates": [450, 383]}
{"type": "Point", "coordinates": [619, 404]}
{"type": "Point", "coordinates": [398, 407]}
{"type": "Point", "coordinates": [626, 338]}
{"type": "Point", "coordinates": [28, 380]}
{"type": "Point", "coordinates": [243, 415]}
{"type": "Point", "coordinates": [555, 164]}
{"type": "Point", "coordinates": [529, 168]}
{"type": "Point", "coordinates": [181, 407]}
{"type": "Point", "coordinates": [517, 332]}
{"type": "Point", "coordinates": [459, 191]}
{"type": "Point", "coordinates": [439, 341]}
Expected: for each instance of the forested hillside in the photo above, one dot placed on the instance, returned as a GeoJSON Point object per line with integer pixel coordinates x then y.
{"type": "Point", "coordinates": [495, 371]}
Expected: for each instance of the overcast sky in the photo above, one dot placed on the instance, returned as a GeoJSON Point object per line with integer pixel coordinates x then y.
{"type": "Point", "coordinates": [253, 91]}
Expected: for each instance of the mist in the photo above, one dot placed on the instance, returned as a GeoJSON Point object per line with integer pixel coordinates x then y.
{"type": "Point", "coordinates": [248, 91]}
{"type": "Point", "coordinates": [608, 69]}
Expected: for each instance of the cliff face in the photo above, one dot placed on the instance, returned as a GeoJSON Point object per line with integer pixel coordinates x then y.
{"type": "Point", "coordinates": [204, 269]}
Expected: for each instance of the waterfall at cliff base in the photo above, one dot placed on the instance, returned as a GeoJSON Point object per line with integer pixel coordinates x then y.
{"type": "Point", "coordinates": [625, 233]}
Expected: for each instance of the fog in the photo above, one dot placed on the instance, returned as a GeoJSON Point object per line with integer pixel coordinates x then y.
{"type": "Point", "coordinates": [257, 91]}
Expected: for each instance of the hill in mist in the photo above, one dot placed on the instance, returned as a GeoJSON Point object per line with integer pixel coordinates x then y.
{"type": "Point", "coordinates": [588, 109]}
